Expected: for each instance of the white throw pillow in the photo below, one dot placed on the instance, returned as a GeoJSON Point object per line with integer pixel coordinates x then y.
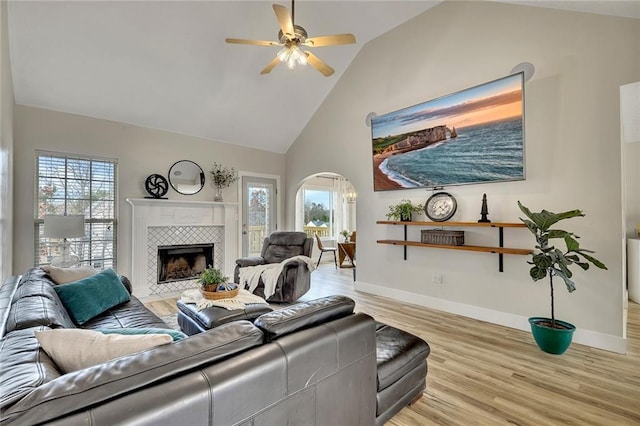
{"type": "Point", "coordinates": [74, 349]}
{"type": "Point", "coordinates": [68, 275]}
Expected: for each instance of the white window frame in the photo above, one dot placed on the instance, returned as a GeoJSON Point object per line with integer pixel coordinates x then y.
{"type": "Point", "coordinates": [333, 201]}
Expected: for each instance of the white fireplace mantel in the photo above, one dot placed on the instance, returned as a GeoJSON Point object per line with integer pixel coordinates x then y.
{"type": "Point", "coordinates": [147, 212]}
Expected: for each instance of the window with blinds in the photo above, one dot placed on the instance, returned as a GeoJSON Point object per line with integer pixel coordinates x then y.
{"type": "Point", "coordinates": [68, 184]}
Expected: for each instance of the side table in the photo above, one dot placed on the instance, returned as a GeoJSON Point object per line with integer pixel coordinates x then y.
{"type": "Point", "coordinates": [347, 251]}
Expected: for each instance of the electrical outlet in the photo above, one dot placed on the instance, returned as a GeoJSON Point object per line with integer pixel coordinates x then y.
{"type": "Point", "coordinates": [436, 278]}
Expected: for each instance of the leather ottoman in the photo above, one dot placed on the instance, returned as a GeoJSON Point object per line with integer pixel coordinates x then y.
{"type": "Point", "coordinates": [402, 370]}
{"type": "Point", "coordinates": [193, 322]}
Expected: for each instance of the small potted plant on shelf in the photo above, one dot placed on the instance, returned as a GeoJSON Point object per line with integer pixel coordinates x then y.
{"type": "Point", "coordinates": [214, 284]}
{"type": "Point", "coordinates": [222, 178]}
{"type": "Point", "coordinates": [552, 335]}
{"type": "Point", "coordinates": [403, 211]}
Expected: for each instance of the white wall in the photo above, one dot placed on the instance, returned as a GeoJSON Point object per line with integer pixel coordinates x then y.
{"type": "Point", "coordinates": [572, 155]}
{"type": "Point", "coordinates": [6, 148]}
{"type": "Point", "coordinates": [140, 152]}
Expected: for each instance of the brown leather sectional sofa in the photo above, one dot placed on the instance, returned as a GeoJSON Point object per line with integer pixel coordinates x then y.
{"type": "Point", "coordinates": [315, 367]}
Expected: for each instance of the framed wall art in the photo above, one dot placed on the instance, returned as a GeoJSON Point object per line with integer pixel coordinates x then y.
{"type": "Point", "coordinates": [472, 136]}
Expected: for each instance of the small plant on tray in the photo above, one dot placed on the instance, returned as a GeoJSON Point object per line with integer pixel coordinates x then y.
{"type": "Point", "coordinates": [211, 278]}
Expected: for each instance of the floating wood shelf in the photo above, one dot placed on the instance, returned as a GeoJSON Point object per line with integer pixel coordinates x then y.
{"type": "Point", "coordinates": [503, 250]}
{"type": "Point", "coordinates": [500, 250]}
{"type": "Point", "coordinates": [466, 224]}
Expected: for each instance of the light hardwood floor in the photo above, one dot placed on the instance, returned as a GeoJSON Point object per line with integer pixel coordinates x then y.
{"type": "Point", "coordinates": [486, 374]}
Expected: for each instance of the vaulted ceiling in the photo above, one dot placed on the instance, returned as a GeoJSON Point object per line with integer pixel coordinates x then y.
{"type": "Point", "coordinates": [165, 65]}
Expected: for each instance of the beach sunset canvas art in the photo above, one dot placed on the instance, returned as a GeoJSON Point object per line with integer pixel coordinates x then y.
{"type": "Point", "coordinates": [472, 136]}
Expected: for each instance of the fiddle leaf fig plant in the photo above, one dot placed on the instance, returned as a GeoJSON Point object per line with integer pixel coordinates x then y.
{"type": "Point", "coordinates": [547, 260]}
{"type": "Point", "coordinates": [403, 210]}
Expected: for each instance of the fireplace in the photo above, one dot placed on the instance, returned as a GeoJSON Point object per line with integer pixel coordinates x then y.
{"type": "Point", "coordinates": [158, 223]}
{"type": "Point", "coordinates": [183, 262]}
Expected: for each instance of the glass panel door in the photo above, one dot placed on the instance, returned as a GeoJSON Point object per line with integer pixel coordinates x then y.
{"type": "Point", "coordinates": [258, 213]}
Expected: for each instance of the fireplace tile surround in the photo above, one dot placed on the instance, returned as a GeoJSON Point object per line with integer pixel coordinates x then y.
{"type": "Point", "coordinates": [168, 222]}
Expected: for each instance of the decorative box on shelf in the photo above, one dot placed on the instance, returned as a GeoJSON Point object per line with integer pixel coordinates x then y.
{"type": "Point", "coordinates": [442, 237]}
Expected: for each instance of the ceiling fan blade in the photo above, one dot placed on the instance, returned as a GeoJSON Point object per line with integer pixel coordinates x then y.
{"type": "Point", "coordinates": [318, 64]}
{"type": "Point", "coordinates": [251, 42]}
{"type": "Point", "coordinates": [270, 66]}
{"type": "Point", "coordinates": [284, 19]}
{"type": "Point", "coordinates": [330, 40]}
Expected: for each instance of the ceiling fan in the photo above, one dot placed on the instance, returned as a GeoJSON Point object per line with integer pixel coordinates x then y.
{"type": "Point", "coordinates": [292, 37]}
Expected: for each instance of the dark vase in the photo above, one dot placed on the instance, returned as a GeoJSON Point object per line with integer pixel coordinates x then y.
{"type": "Point", "coordinates": [405, 217]}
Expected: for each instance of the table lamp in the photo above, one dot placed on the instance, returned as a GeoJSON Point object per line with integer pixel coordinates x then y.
{"type": "Point", "coordinates": [71, 226]}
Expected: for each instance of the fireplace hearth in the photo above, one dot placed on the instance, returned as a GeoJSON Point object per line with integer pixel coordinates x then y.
{"type": "Point", "coordinates": [183, 262]}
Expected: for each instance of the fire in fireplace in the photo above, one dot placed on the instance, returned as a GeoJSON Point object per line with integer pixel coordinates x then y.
{"type": "Point", "coordinates": [183, 262]}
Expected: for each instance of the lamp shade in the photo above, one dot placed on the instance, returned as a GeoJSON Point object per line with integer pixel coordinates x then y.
{"type": "Point", "coordinates": [64, 226]}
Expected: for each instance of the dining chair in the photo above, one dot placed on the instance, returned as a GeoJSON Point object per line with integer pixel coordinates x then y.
{"type": "Point", "coordinates": [326, 249]}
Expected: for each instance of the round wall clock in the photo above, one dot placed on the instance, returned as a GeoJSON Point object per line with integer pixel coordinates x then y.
{"type": "Point", "coordinates": [440, 206]}
{"type": "Point", "coordinates": [156, 185]}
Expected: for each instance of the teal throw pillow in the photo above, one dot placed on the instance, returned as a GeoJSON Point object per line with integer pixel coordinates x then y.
{"type": "Point", "coordinates": [175, 334]}
{"type": "Point", "coordinates": [91, 296]}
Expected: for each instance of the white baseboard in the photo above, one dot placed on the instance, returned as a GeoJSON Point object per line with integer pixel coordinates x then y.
{"type": "Point", "coordinates": [586, 337]}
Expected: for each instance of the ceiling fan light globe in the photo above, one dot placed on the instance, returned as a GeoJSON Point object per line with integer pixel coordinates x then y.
{"type": "Point", "coordinates": [295, 53]}
{"type": "Point", "coordinates": [302, 59]}
{"type": "Point", "coordinates": [283, 54]}
{"type": "Point", "coordinates": [291, 63]}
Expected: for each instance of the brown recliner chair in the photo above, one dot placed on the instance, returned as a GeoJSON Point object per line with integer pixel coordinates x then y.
{"type": "Point", "coordinates": [295, 279]}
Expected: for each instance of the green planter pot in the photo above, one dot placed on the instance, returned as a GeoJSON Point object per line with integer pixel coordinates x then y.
{"type": "Point", "coordinates": [552, 340]}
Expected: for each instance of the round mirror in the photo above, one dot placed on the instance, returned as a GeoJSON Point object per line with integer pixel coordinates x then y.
{"type": "Point", "coordinates": [186, 177]}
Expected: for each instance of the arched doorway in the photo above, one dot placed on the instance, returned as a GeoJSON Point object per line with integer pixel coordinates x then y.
{"type": "Point", "coordinates": [326, 205]}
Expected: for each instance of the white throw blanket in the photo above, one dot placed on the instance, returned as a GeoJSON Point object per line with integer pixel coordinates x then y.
{"type": "Point", "coordinates": [240, 301]}
{"type": "Point", "coordinates": [250, 275]}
